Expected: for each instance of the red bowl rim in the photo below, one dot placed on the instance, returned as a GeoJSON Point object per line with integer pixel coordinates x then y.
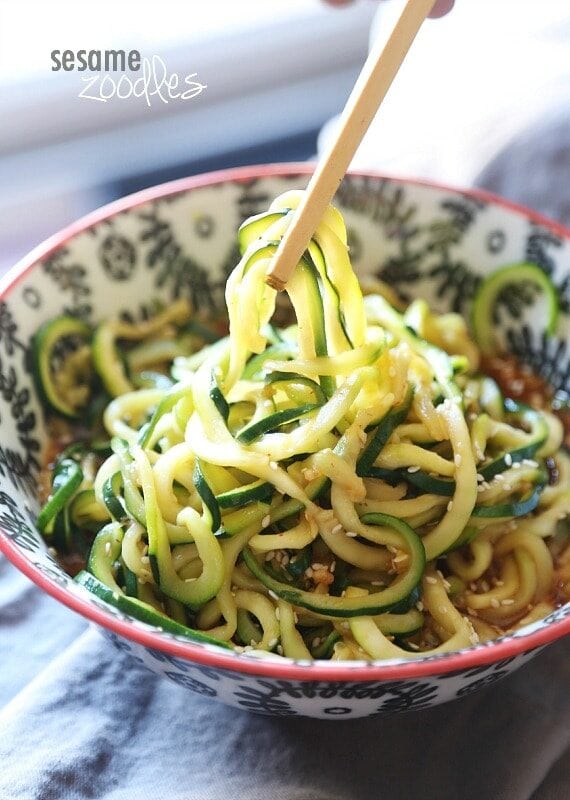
{"type": "Point", "coordinates": [206, 656]}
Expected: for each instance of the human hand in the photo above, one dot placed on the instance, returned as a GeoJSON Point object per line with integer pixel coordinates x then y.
{"type": "Point", "coordinates": [440, 8]}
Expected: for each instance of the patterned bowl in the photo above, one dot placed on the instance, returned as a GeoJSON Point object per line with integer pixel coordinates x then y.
{"type": "Point", "coordinates": [180, 239]}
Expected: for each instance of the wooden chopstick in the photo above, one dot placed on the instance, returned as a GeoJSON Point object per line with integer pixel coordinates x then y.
{"type": "Point", "coordinates": [369, 90]}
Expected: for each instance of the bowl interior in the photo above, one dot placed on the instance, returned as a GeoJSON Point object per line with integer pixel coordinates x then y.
{"type": "Point", "coordinates": [423, 240]}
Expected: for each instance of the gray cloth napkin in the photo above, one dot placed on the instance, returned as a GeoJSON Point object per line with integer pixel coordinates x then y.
{"type": "Point", "coordinates": [94, 724]}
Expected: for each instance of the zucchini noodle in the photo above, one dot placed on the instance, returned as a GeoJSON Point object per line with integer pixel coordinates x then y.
{"type": "Point", "coordinates": [349, 487]}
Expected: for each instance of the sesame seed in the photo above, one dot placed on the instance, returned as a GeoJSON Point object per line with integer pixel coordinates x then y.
{"type": "Point", "coordinates": [401, 557]}
{"type": "Point", "coordinates": [415, 468]}
{"type": "Point", "coordinates": [273, 465]}
{"type": "Point", "coordinates": [517, 465]}
{"type": "Point", "coordinates": [337, 528]}
{"type": "Point", "coordinates": [279, 650]}
{"type": "Point", "coordinates": [309, 572]}
{"type": "Point", "coordinates": [265, 521]}
{"type": "Point", "coordinates": [272, 594]}
{"type": "Point", "coordinates": [270, 555]}
{"type": "Point", "coordinates": [472, 612]}
{"type": "Point", "coordinates": [508, 602]}
{"type": "Point", "coordinates": [494, 602]}
{"type": "Point", "coordinates": [316, 566]}
{"type": "Point", "coordinates": [351, 534]}
{"type": "Point", "coordinates": [295, 617]}
{"type": "Point", "coordinates": [272, 643]}
{"type": "Point", "coordinates": [508, 460]}
{"type": "Point", "coordinates": [107, 548]}
{"type": "Point", "coordinates": [413, 645]}
{"type": "Point", "coordinates": [529, 462]}
{"type": "Point", "coordinates": [145, 560]}
{"type": "Point", "coordinates": [332, 567]}
{"type": "Point", "coordinates": [450, 505]}
{"type": "Point", "coordinates": [376, 583]}
{"type": "Point", "coordinates": [480, 478]}
{"type": "Point", "coordinates": [284, 560]}
{"type": "Point", "coordinates": [431, 580]}
{"type": "Point", "coordinates": [457, 460]}
{"type": "Point", "coordinates": [500, 477]}
{"type": "Point", "coordinates": [420, 605]}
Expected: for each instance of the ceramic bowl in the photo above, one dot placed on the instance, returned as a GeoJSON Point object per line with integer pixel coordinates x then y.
{"type": "Point", "coordinates": [180, 240]}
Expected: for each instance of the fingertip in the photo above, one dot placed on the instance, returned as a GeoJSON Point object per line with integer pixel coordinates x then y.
{"type": "Point", "coordinates": [441, 8]}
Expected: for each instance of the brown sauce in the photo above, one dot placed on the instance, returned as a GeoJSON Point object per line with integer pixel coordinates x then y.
{"type": "Point", "coordinates": [518, 381]}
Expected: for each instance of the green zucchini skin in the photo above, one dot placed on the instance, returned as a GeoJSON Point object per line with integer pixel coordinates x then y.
{"type": "Point", "coordinates": [280, 351]}
{"type": "Point", "coordinates": [208, 497]}
{"type": "Point", "coordinates": [270, 423]}
{"type": "Point", "coordinates": [385, 429]}
{"type": "Point", "coordinates": [44, 343]}
{"type": "Point", "coordinates": [445, 487]}
{"type": "Point", "coordinates": [516, 508]}
{"type": "Point", "coordinates": [292, 378]}
{"type": "Point", "coordinates": [518, 412]}
{"type": "Point", "coordinates": [218, 398]}
{"type": "Point", "coordinates": [67, 479]}
{"type": "Point", "coordinates": [173, 395]}
{"type": "Point", "coordinates": [106, 549]}
{"type": "Point", "coordinates": [325, 649]}
{"type": "Point", "coordinates": [142, 611]}
{"type": "Point", "coordinates": [257, 491]}
{"type": "Point", "coordinates": [253, 228]}
{"type": "Point", "coordinates": [345, 607]}
{"type": "Point", "coordinates": [111, 493]}
{"type": "Point", "coordinates": [488, 293]}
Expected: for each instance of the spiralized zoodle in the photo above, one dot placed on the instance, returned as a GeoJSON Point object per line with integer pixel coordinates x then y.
{"type": "Point", "coordinates": [349, 487]}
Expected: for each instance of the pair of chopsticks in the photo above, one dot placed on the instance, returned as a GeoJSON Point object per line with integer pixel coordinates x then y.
{"type": "Point", "coordinates": [371, 87]}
